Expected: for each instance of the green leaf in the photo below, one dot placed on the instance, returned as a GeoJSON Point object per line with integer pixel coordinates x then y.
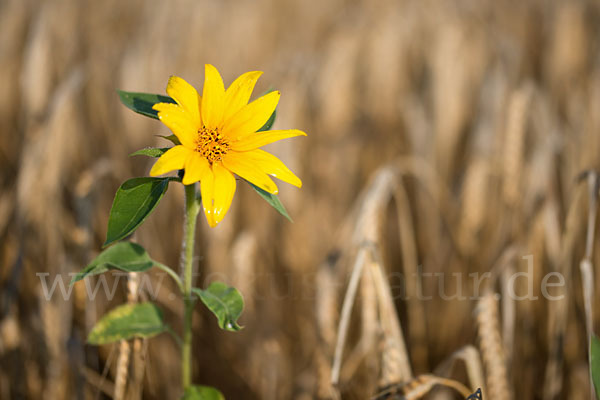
{"type": "Point", "coordinates": [225, 302]}
{"type": "Point", "coordinates": [172, 138]}
{"type": "Point", "coordinates": [134, 201]}
{"type": "Point", "coordinates": [142, 320]}
{"type": "Point", "coordinates": [271, 119]}
{"type": "Point", "coordinates": [269, 122]}
{"type": "Point", "coordinates": [142, 103]}
{"type": "Point", "coordinates": [273, 200]}
{"type": "Point", "coordinates": [595, 365]}
{"type": "Point", "coordinates": [151, 152]}
{"type": "Point", "coordinates": [124, 256]}
{"type": "Point", "coordinates": [198, 392]}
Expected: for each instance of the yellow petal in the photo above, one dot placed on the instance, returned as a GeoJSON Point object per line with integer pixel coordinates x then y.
{"type": "Point", "coordinates": [251, 117]}
{"type": "Point", "coordinates": [217, 195]}
{"type": "Point", "coordinates": [172, 160]}
{"type": "Point", "coordinates": [186, 96]}
{"type": "Point", "coordinates": [179, 122]}
{"type": "Point", "coordinates": [195, 166]}
{"type": "Point", "coordinates": [238, 94]}
{"type": "Point", "coordinates": [259, 139]}
{"type": "Point", "coordinates": [207, 188]}
{"type": "Point", "coordinates": [272, 165]}
{"type": "Point", "coordinates": [245, 168]}
{"type": "Point", "coordinates": [213, 98]}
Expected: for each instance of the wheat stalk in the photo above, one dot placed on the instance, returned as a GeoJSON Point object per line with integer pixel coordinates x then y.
{"type": "Point", "coordinates": [346, 313]}
{"type": "Point", "coordinates": [471, 357]}
{"type": "Point", "coordinates": [124, 346]}
{"type": "Point", "coordinates": [514, 143]}
{"type": "Point", "coordinates": [395, 361]}
{"type": "Point", "coordinates": [490, 345]}
{"type": "Point", "coordinates": [558, 310]}
{"type": "Point", "coordinates": [586, 266]}
{"type": "Point", "coordinates": [418, 387]}
{"type": "Point", "coordinates": [417, 329]}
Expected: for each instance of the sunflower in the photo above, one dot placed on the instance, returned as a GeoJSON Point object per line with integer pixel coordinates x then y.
{"type": "Point", "coordinates": [219, 138]}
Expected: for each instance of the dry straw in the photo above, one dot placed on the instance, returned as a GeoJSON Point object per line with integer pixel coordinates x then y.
{"type": "Point", "coordinates": [490, 111]}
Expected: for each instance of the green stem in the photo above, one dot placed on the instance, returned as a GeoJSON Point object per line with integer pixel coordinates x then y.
{"type": "Point", "coordinates": [191, 214]}
{"type": "Point", "coordinates": [171, 273]}
{"type": "Point", "coordinates": [175, 336]}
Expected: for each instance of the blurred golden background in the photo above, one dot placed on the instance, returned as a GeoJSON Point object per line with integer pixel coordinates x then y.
{"type": "Point", "coordinates": [444, 137]}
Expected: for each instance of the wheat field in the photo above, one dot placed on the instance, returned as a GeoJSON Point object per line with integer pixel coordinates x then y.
{"type": "Point", "coordinates": [452, 156]}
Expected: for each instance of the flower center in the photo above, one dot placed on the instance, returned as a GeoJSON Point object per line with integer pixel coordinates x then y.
{"type": "Point", "coordinates": [211, 144]}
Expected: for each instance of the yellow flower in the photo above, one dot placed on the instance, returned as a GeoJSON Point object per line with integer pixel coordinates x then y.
{"type": "Point", "coordinates": [219, 138]}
